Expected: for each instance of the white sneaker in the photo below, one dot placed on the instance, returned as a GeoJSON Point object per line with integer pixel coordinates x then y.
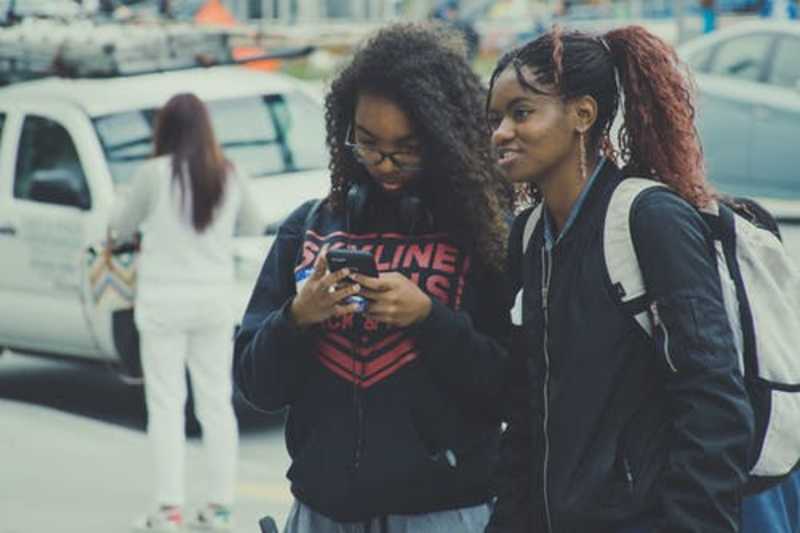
{"type": "Point", "coordinates": [215, 518]}
{"type": "Point", "coordinates": [161, 521]}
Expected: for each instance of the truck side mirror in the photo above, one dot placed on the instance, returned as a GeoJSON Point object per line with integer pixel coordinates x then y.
{"type": "Point", "coordinates": [58, 186]}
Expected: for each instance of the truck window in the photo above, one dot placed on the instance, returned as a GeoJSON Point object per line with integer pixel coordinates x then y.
{"type": "Point", "coordinates": [45, 151]}
{"type": "Point", "coordinates": [262, 135]}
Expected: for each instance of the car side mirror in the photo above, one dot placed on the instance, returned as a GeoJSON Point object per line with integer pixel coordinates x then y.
{"type": "Point", "coordinates": [58, 186]}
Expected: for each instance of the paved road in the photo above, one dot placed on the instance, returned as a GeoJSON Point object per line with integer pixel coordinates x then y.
{"type": "Point", "coordinates": [74, 456]}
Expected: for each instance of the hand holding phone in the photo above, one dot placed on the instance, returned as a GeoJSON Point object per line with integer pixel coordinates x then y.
{"type": "Point", "coordinates": [322, 295]}
{"type": "Point", "coordinates": [394, 299]}
{"type": "Point", "coordinates": [357, 262]}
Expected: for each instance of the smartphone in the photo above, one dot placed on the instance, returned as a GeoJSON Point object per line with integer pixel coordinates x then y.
{"type": "Point", "coordinates": [357, 261]}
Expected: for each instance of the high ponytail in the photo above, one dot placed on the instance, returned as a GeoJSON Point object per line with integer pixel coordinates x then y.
{"type": "Point", "coordinates": [633, 68]}
{"type": "Point", "coordinates": [658, 138]}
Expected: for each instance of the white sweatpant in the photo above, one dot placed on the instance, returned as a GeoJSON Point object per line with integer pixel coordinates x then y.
{"type": "Point", "coordinates": [180, 329]}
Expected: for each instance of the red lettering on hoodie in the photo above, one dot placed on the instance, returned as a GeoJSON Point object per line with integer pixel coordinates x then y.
{"type": "Point", "coordinates": [445, 258]}
{"type": "Point", "coordinates": [438, 286]}
{"type": "Point", "coordinates": [421, 256]}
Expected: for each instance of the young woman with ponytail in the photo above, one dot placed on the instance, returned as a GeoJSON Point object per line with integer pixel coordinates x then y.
{"type": "Point", "coordinates": [187, 202]}
{"type": "Point", "coordinates": [608, 431]}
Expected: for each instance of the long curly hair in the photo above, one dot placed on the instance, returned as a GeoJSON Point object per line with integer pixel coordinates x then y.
{"type": "Point", "coordinates": [629, 66]}
{"type": "Point", "coordinates": [423, 70]}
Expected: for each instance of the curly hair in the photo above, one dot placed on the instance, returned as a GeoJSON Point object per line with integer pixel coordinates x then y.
{"type": "Point", "coordinates": [423, 70]}
{"type": "Point", "coordinates": [657, 138]}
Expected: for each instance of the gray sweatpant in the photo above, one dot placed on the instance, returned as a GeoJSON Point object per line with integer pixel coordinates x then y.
{"type": "Point", "coordinates": [303, 519]}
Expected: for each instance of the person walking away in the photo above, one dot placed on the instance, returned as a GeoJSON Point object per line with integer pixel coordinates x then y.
{"type": "Point", "coordinates": [187, 201]}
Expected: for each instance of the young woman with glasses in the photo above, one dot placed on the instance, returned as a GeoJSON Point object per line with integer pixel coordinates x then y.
{"type": "Point", "coordinates": [393, 409]}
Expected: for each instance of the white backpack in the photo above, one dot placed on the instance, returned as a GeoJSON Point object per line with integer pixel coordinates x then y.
{"type": "Point", "coordinates": [761, 291]}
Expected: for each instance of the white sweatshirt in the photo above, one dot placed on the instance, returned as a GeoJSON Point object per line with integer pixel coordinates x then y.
{"type": "Point", "coordinates": [173, 253]}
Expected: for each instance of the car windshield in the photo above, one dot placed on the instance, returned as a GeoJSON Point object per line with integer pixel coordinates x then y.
{"type": "Point", "coordinates": [261, 135]}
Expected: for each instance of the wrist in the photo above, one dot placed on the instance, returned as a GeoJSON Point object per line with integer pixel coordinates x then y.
{"type": "Point", "coordinates": [427, 306]}
{"type": "Point", "coordinates": [294, 314]}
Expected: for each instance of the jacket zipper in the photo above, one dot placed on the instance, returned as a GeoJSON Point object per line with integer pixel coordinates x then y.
{"type": "Point", "coordinates": [546, 277]}
{"type": "Point", "coordinates": [357, 406]}
{"type": "Point", "coordinates": [360, 432]}
{"type": "Point", "coordinates": [628, 473]}
{"type": "Point", "coordinates": [660, 324]}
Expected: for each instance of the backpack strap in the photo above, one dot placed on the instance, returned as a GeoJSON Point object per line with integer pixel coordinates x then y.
{"type": "Point", "coordinates": [722, 221]}
{"type": "Point", "coordinates": [534, 216]}
{"type": "Point", "coordinates": [530, 225]}
{"type": "Point", "coordinates": [308, 221]}
{"type": "Point", "coordinates": [622, 264]}
{"type": "Point", "coordinates": [312, 212]}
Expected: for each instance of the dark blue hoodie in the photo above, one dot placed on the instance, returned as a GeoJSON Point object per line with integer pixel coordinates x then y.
{"type": "Point", "coordinates": [382, 420]}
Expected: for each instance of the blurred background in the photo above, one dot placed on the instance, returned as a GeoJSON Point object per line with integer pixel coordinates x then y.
{"type": "Point", "coordinates": [80, 83]}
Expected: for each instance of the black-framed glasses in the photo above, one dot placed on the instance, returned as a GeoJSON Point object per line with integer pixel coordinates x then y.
{"type": "Point", "coordinates": [403, 160]}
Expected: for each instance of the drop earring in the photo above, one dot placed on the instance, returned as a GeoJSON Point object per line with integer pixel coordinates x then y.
{"type": "Point", "coordinates": [584, 171]}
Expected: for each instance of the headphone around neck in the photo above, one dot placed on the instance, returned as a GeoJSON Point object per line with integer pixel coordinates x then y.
{"type": "Point", "coordinates": [414, 216]}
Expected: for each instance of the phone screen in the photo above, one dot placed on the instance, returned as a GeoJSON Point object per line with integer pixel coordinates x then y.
{"type": "Point", "coordinates": [357, 261]}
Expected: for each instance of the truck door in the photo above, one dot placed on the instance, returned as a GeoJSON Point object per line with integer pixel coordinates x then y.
{"type": "Point", "coordinates": [46, 216]}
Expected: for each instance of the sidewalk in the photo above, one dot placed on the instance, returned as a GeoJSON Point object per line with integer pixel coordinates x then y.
{"type": "Point", "coordinates": [68, 474]}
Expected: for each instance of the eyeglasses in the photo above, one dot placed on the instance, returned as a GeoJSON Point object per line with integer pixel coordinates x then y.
{"type": "Point", "coordinates": [404, 160]}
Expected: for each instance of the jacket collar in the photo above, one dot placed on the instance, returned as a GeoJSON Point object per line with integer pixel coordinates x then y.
{"type": "Point", "coordinates": [550, 238]}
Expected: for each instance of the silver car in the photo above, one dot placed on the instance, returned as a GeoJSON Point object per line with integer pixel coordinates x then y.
{"type": "Point", "coordinates": [748, 78]}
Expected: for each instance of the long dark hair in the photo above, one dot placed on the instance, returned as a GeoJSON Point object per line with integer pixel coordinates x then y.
{"type": "Point", "coordinates": [422, 68]}
{"type": "Point", "coordinates": [632, 67]}
{"type": "Point", "coordinates": [183, 130]}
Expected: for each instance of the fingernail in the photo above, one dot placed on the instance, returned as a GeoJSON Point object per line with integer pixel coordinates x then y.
{"type": "Point", "coordinates": [356, 288]}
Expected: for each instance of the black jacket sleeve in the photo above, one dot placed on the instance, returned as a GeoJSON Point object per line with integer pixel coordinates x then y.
{"type": "Point", "coordinates": [512, 470]}
{"type": "Point", "coordinates": [467, 350]}
{"type": "Point", "coordinates": [271, 355]}
{"type": "Point", "coordinates": [712, 421]}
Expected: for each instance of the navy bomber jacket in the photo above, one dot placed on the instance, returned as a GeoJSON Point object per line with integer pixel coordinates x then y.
{"type": "Point", "coordinates": [381, 420]}
{"type": "Point", "coordinates": [609, 428]}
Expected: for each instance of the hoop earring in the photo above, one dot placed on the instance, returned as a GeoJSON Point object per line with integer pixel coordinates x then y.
{"type": "Point", "coordinates": [584, 170]}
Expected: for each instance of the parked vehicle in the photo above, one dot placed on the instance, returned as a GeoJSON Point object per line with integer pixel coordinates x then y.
{"type": "Point", "coordinates": [748, 78]}
{"type": "Point", "coordinates": [69, 146]}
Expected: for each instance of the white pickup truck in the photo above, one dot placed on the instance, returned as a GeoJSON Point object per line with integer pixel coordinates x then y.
{"type": "Point", "coordinates": [67, 147]}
